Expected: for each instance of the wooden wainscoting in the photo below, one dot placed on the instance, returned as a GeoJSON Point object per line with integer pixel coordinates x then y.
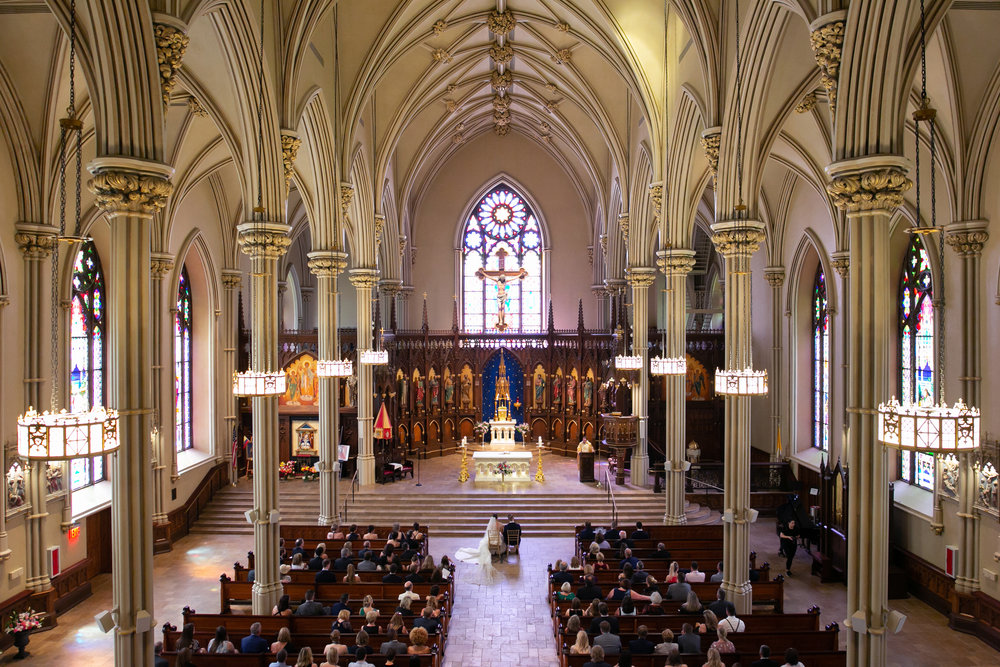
{"type": "Point", "coordinates": [72, 586]}
{"type": "Point", "coordinates": [180, 520]}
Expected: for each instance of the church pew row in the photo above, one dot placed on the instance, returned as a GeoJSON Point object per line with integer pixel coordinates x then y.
{"type": "Point", "coordinates": [660, 569]}
{"type": "Point", "coordinates": [807, 622]}
{"type": "Point", "coordinates": [240, 592]}
{"type": "Point", "coordinates": [265, 659]}
{"type": "Point", "coordinates": [664, 533]}
{"type": "Point", "coordinates": [815, 659]}
{"type": "Point", "coordinates": [745, 642]}
{"type": "Point", "coordinates": [312, 531]}
{"type": "Point", "coordinates": [314, 641]}
{"type": "Point", "coordinates": [333, 547]}
{"type": "Point", "coordinates": [765, 594]}
{"type": "Point", "coordinates": [238, 625]}
{"type": "Point", "coordinates": [241, 573]}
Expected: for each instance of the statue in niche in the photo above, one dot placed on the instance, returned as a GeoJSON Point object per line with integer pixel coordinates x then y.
{"type": "Point", "coordinates": [588, 391]}
{"type": "Point", "coordinates": [420, 390]}
{"type": "Point", "coordinates": [539, 389]}
{"type": "Point", "coordinates": [435, 389]}
{"type": "Point", "coordinates": [557, 391]}
{"type": "Point", "coordinates": [466, 382]}
{"type": "Point", "coordinates": [449, 390]}
{"type": "Point", "coordinates": [15, 486]}
{"type": "Point", "coordinates": [403, 389]}
{"type": "Point", "coordinates": [571, 391]}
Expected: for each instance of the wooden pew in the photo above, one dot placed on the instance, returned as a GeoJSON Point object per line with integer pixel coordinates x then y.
{"type": "Point", "coordinates": [265, 659]}
{"type": "Point", "coordinates": [820, 659]}
{"type": "Point", "coordinates": [314, 641]}
{"type": "Point", "coordinates": [241, 573]}
{"type": "Point", "coordinates": [765, 594]}
{"type": "Point", "coordinates": [807, 622]}
{"type": "Point", "coordinates": [748, 642]}
{"type": "Point", "coordinates": [238, 625]}
{"type": "Point", "coordinates": [240, 592]}
{"type": "Point", "coordinates": [312, 531]}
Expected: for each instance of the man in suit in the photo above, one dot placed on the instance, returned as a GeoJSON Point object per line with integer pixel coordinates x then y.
{"type": "Point", "coordinates": [326, 575]}
{"type": "Point", "coordinates": [596, 658]}
{"type": "Point", "coordinates": [427, 622]}
{"type": "Point", "coordinates": [587, 534]}
{"type": "Point", "coordinates": [765, 658]}
{"type": "Point", "coordinates": [299, 547]}
{"type": "Point", "coordinates": [159, 660]}
{"type": "Point", "coordinates": [414, 575]}
{"type": "Point", "coordinates": [639, 533]}
{"type": "Point", "coordinates": [641, 646]}
{"type": "Point", "coordinates": [595, 624]}
{"type": "Point", "coordinates": [392, 643]}
{"type": "Point", "coordinates": [689, 641]}
{"type": "Point", "coordinates": [337, 607]}
{"type": "Point", "coordinates": [679, 591]}
{"type": "Point", "coordinates": [629, 559]}
{"type": "Point", "coordinates": [719, 606]}
{"type": "Point", "coordinates": [717, 577]}
{"type": "Point", "coordinates": [340, 565]}
{"type": "Point", "coordinates": [316, 562]}
{"type": "Point", "coordinates": [254, 643]}
{"type": "Point", "coordinates": [563, 575]}
{"type": "Point", "coordinates": [366, 549]}
{"type": "Point", "coordinates": [640, 574]}
{"type": "Point", "coordinates": [661, 552]}
{"type": "Point", "coordinates": [611, 643]}
{"type": "Point", "coordinates": [589, 590]}
{"type": "Point", "coordinates": [367, 565]}
{"type": "Point", "coordinates": [393, 576]}
{"type": "Point", "coordinates": [309, 607]}
{"type": "Point", "coordinates": [511, 525]}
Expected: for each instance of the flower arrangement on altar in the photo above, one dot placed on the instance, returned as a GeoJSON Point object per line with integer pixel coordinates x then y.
{"type": "Point", "coordinates": [523, 430]}
{"type": "Point", "coordinates": [309, 474]}
{"type": "Point", "coordinates": [286, 469]}
{"type": "Point", "coordinates": [481, 428]}
{"type": "Point", "coordinates": [24, 621]}
{"type": "Point", "coordinates": [503, 469]}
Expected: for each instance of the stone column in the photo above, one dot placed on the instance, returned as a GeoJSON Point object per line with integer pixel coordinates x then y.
{"type": "Point", "coordinates": [640, 278]}
{"type": "Point", "coordinates": [326, 265]}
{"type": "Point", "coordinates": [868, 189]}
{"type": "Point", "coordinates": [364, 281]}
{"type": "Point", "coordinates": [231, 281]}
{"type": "Point", "coordinates": [967, 239]}
{"type": "Point", "coordinates": [163, 451]}
{"type": "Point", "coordinates": [282, 289]}
{"type": "Point", "coordinates": [737, 241]}
{"type": "Point", "coordinates": [675, 265]}
{"type": "Point", "coordinates": [775, 277]}
{"type": "Point", "coordinates": [265, 243]}
{"type": "Point", "coordinates": [129, 191]}
{"type": "Point", "coordinates": [35, 243]}
{"type": "Point", "coordinates": [603, 307]}
{"type": "Point", "coordinates": [5, 550]}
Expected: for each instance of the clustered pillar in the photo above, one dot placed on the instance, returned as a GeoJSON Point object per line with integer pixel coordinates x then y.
{"type": "Point", "coordinates": [640, 279]}
{"type": "Point", "coordinates": [163, 454]}
{"type": "Point", "coordinates": [364, 281]}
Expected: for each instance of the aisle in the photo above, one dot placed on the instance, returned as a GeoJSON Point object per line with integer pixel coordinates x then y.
{"type": "Point", "coordinates": [506, 624]}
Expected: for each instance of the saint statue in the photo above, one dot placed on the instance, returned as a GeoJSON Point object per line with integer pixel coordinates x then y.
{"type": "Point", "coordinates": [449, 390]}
{"type": "Point", "coordinates": [602, 395]}
{"type": "Point", "coordinates": [539, 391]}
{"type": "Point", "coordinates": [466, 390]}
{"type": "Point", "coordinates": [571, 391]}
{"type": "Point", "coordinates": [404, 391]}
{"type": "Point", "coordinates": [588, 391]}
{"type": "Point", "coordinates": [556, 391]}
{"type": "Point", "coordinates": [435, 387]}
{"type": "Point", "coordinates": [420, 390]}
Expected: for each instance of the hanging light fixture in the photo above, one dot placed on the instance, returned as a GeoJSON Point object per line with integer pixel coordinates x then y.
{"type": "Point", "coordinates": [326, 368]}
{"type": "Point", "coordinates": [58, 435]}
{"type": "Point", "coordinates": [735, 381]}
{"type": "Point", "coordinates": [378, 356]}
{"type": "Point", "coordinates": [930, 429]}
{"type": "Point", "coordinates": [626, 361]}
{"type": "Point", "coordinates": [253, 383]}
{"type": "Point", "coordinates": [661, 364]}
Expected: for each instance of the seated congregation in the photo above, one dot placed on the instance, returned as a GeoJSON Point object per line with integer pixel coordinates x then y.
{"type": "Point", "coordinates": [623, 599]}
{"type": "Point", "coordinates": [385, 603]}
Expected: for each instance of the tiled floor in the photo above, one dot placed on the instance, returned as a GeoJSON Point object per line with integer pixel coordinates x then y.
{"type": "Point", "coordinates": [503, 625]}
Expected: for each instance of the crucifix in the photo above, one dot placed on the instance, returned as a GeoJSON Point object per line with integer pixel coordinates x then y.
{"type": "Point", "coordinates": [501, 277]}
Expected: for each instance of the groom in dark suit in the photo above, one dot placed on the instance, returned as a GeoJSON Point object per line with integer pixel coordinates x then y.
{"type": "Point", "coordinates": [511, 525]}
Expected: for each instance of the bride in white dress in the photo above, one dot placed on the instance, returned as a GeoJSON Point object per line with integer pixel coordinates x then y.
{"type": "Point", "coordinates": [481, 555]}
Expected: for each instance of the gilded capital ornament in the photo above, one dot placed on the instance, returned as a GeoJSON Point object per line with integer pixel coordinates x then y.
{"type": "Point", "coordinates": [623, 224]}
{"type": "Point", "coordinates": [379, 228]}
{"type": "Point", "coordinates": [364, 278]}
{"type": "Point", "coordinates": [35, 244]}
{"type": "Point", "coordinates": [160, 265]}
{"type": "Point", "coordinates": [231, 279]}
{"type": "Point", "coordinates": [289, 150]}
{"type": "Point", "coordinates": [675, 262]}
{"type": "Point", "coordinates": [656, 197]}
{"type": "Point", "coordinates": [118, 192]}
{"type": "Point", "coordinates": [736, 240]}
{"type": "Point", "coordinates": [875, 189]}
{"type": "Point", "coordinates": [641, 277]}
{"type": "Point", "coordinates": [967, 243]}
{"type": "Point", "coordinates": [346, 197]}
{"type": "Point", "coordinates": [841, 262]}
{"type": "Point", "coordinates": [171, 44]}
{"type": "Point", "coordinates": [501, 54]}
{"type": "Point", "coordinates": [501, 82]}
{"type": "Point", "coordinates": [827, 42]}
{"type": "Point", "coordinates": [775, 276]}
{"type": "Point", "coordinates": [501, 23]}
{"type": "Point", "coordinates": [260, 242]}
{"type": "Point", "coordinates": [327, 263]}
{"type": "Point", "coordinates": [712, 142]}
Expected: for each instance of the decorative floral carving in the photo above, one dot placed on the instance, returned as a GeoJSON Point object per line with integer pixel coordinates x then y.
{"type": "Point", "coordinates": [34, 245]}
{"type": "Point", "coordinates": [231, 279]}
{"type": "Point", "coordinates": [807, 104]}
{"type": "Point", "coordinates": [329, 263]}
{"type": "Point", "coordinates": [263, 244]}
{"type": "Point", "coordinates": [451, 105]}
{"type": "Point", "coordinates": [590, 255]}
{"type": "Point", "coordinates": [116, 191]}
{"type": "Point", "coordinates": [501, 103]}
{"type": "Point", "coordinates": [551, 87]}
{"type": "Point", "coordinates": [440, 56]}
{"type": "Point", "coordinates": [562, 56]}
{"type": "Point", "coordinates": [876, 189]}
{"type": "Point", "coordinates": [289, 149]}
{"type": "Point", "coordinates": [195, 107]}
{"type": "Point", "coordinates": [379, 228]}
{"type": "Point", "coordinates": [439, 27]}
{"type": "Point", "coordinates": [501, 82]}
{"type": "Point", "coordinates": [656, 198]}
{"type": "Point", "coordinates": [364, 278]}
{"type": "Point", "coordinates": [841, 262]}
{"type": "Point", "coordinates": [604, 246]}
{"type": "Point", "coordinates": [641, 277]}
{"type": "Point", "coordinates": [501, 130]}
{"type": "Point", "coordinates": [501, 23]}
{"type": "Point", "coordinates": [171, 44]}
{"type": "Point", "coordinates": [735, 242]}
{"type": "Point", "coordinates": [675, 264]}
{"type": "Point", "coordinates": [402, 246]}
{"type": "Point", "coordinates": [346, 196]}
{"type": "Point", "coordinates": [712, 143]}
{"type": "Point", "coordinates": [552, 105]}
{"type": "Point", "coordinates": [827, 42]}
{"type": "Point", "coordinates": [774, 277]}
{"type": "Point", "coordinates": [623, 224]}
{"type": "Point", "coordinates": [160, 265]}
{"type": "Point", "coordinates": [562, 26]}
{"type": "Point", "coordinates": [501, 55]}
{"type": "Point", "coordinates": [968, 243]}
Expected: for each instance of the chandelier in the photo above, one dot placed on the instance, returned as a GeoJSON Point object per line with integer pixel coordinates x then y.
{"type": "Point", "coordinates": [256, 384]}
{"type": "Point", "coordinates": [374, 357]}
{"type": "Point", "coordinates": [931, 429]}
{"type": "Point", "coordinates": [668, 366]}
{"type": "Point", "coordinates": [628, 362]}
{"type": "Point", "coordinates": [58, 435]}
{"type": "Point", "coordinates": [736, 381]}
{"type": "Point", "coordinates": [334, 369]}
{"type": "Point", "coordinates": [663, 365]}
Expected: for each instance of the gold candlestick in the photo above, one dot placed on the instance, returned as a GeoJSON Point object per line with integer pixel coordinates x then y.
{"type": "Point", "coordinates": [463, 474]}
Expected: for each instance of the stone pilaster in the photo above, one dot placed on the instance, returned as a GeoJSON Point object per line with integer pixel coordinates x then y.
{"type": "Point", "coordinates": [640, 278]}
{"type": "Point", "coordinates": [868, 190]}
{"type": "Point", "coordinates": [675, 264]}
{"type": "Point", "coordinates": [232, 279]}
{"type": "Point", "coordinates": [129, 192]}
{"type": "Point", "coordinates": [36, 243]}
{"type": "Point", "coordinates": [282, 290]}
{"type": "Point", "coordinates": [5, 550]}
{"type": "Point", "coordinates": [737, 241]}
{"type": "Point", "coordinates": [264, 243]}
{"type": "Point", "coordinates": [326, 265]}
{"type": "Point", "coordinates": [967, 239]}
{"type": "Point", "coordinates": [164, 457]}
{"type": "Point", "coordinates": [775, 277]}
{"type": "Point", "coordinates": [364, 281]}
{"type": "Point", "coordinates": [603, 306]}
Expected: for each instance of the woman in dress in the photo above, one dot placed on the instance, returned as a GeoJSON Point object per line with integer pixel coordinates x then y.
{"type": "Point", "coordinates": [582, 645]}
{"type": "Point", "coordinates": [722, 644]}
{"type": "Point", "coordinates": [672, 574]}
{"type": "Point", "coordinates": [282, 608]}
{"type": "Point", "coordinates": [335, 644]}
{"type": "Point", "coordinates": [714, 659]}
{"type": "Point", "coordinates": [692, 605]}
{"type": "Point", "coordinates": [284, 638]}
{"type": "Point", "coordinates": [481, 555]}
{"type": "Point", "coordinates": [221, 643]}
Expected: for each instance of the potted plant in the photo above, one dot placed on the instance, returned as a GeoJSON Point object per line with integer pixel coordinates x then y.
{"type": "Point", "coordinates": [20, 624]}
{"type": "Point", "coordinates": [310, 474]}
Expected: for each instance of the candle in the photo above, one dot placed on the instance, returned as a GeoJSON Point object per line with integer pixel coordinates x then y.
{"type": "Point", "coordinates": [465, 441]}
{"type": "Point", "coordinates": [539, 441]}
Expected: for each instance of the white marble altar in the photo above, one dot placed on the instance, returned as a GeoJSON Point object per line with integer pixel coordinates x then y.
{"type": "Point", "coordinates": [485, 462]}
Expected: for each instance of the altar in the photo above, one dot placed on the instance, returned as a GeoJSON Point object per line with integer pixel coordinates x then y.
{"type": "Point", "coordinates": [485, 465]}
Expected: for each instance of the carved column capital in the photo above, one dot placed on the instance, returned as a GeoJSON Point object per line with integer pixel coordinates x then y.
{"type": "Point", "coordinates": [623, 224]}
{"type": "Point", "coordinates": [841, 261]}
{"type": "Point", "coordinates": [656, 199]}
{"type": "Point", "coordinates": [711, 141]}
{"type": "Point", "coordinates": [327, 262]}
{"type": "Point", "coordinates": [35, 241]}
{"type": "Point", "coordinates": [346, 196]}
{"type": "Point", "coordinates": [282, 287]}
{"type": "Point", "coordinates": [231, 279]}
{"type": "Point", "coordinates": [125, 185]}
{"type": "Point", "coordinates": [875, 183]}
{"type": "Point", "coordinates": [599, 291]}
{"type": "Point", "coordinates": [290, 144]}
{"type": "Point", "coordinates": [640, 277]}
{"type": "Point", "coordinates": [737, 238]}
{"type": "Point", "coordinates": [363, 278]}
{"type": "Point", "coordinates": [379, 229]}
{"type": "Point", "coordinates": [774, 275]}
{"type": "Point", "coordinates": [402, 246]}
{"type": "Point", "coordinates": [827, 41]}
{"type": "Point", "coordinates": [390, 287]}
{"type": "Point", "coordinates": [263, 240]}
{"type": "Point", "coordinates": [676, 261]}
{"type": "Point", "coordinates": [604, 246]}
{"type": "Point", "coordinates": [160, 264]}
{"type": "Point", "coordinates": [967, 237]}
{"type": "Point", "coordinates": [171, 43]}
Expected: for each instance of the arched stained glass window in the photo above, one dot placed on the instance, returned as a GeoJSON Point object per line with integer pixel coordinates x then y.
{"type": "Point", "coordinates": [820, 364]}
{"type": "Point", "coordinates": [86, 357]}
{"type": "Point", "coordinates": [502, 232]}
{"type": "Point", "coordinates": [182, 365]}
{"type": "Point", "coordinates": [916, 350]}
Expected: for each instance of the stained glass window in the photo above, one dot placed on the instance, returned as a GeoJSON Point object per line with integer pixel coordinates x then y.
{"type": "Point", "coordinates": [86, 357]}
{"type": "Point", "coordinates": [502, 229]}
{"type": "Point", "coordinates": [916, 350]}
{"type": "Point", "coordinates": [820, 364]}
{"type": "Point", "coordinates": [182, 365]}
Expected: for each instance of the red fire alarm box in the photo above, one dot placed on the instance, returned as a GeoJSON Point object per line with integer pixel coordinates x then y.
{"type": "Point", "coordinates": [950, 560]}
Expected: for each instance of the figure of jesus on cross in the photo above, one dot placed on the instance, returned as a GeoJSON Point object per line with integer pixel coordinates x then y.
{"type": "Point", "coordinates": [504, 280]}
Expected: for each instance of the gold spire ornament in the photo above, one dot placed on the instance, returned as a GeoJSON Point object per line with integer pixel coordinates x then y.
{"type": "Point", "coordinates": [539, 476]}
